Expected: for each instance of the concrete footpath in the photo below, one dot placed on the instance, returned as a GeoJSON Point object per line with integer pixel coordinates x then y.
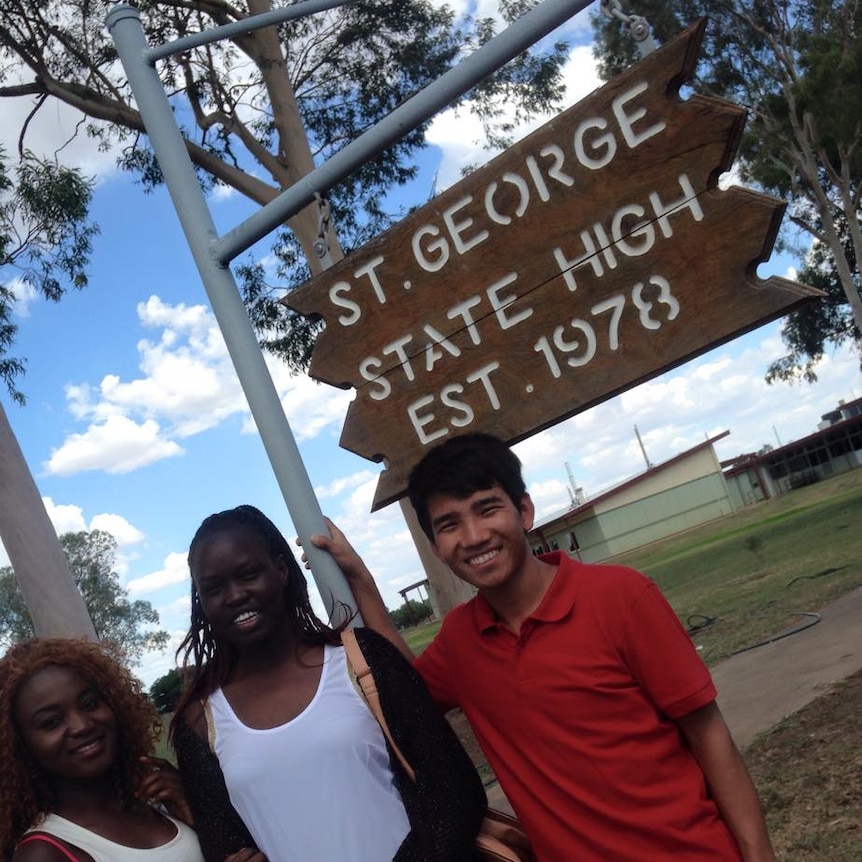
{"type": "Point", "coordinates": [759, 687]}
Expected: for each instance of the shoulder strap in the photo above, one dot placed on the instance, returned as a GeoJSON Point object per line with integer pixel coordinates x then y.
{"type": "Point", "coordinates": [38, 836]}
{"type": "Point", "coordinates": [372, 697]}
{"type": "Point", "coordinates": [210, 722]}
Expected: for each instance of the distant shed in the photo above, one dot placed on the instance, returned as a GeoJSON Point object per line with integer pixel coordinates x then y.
{"type": "Point", "coordinates": [683, 492]}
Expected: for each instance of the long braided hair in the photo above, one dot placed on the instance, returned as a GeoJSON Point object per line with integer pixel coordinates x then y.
{"type": "Point", "coordinates": [26, 789]}
{"type": "Point", "coordinates": [206, 661]}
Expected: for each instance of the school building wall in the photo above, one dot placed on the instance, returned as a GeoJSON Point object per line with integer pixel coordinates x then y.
{"type": "Point", "coordinates": [832, 449]}
{"type": "Point", "coordinates": [669, 499]}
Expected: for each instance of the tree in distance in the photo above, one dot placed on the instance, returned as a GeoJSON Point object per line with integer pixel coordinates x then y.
{"type": "Point", "coordinates": [45, 242]}
{"type": "Point", "coordinates": [411, 613]}
{"type": "Point", "coordinates": [166, 691]}
{"type": "Point", "coordinates": [128, 626]}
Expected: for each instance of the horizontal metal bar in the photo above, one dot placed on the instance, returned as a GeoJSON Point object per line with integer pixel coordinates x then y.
{"type": "Point", "coordinates": [517, 37]}
{"type": "Point", "coordinates": [237, 28]}
{"type": "Point", "coordinates": [124, 25]}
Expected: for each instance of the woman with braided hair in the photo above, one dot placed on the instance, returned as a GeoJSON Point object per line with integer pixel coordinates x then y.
{"type": "Point", "coordinates": [282, 759]}
{"type": "Point", "coordinates": [78, 783]}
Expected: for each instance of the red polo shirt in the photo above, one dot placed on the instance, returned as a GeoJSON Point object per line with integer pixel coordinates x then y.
{"type": "Point", "coordinates": [575, 716]}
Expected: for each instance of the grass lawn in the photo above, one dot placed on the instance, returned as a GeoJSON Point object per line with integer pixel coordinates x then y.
{"type": "Point", "coordinates": [808, 771]}
{"type": "Point", "coordinates": [755, 571]}
{"type": "Point", "coordinates": [420, 636]}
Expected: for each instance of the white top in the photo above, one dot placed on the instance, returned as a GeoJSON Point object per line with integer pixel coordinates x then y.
{"type": "Point", "coordinates": [183, 847]}
{"type": "Point", "coordinates": [319, 787]}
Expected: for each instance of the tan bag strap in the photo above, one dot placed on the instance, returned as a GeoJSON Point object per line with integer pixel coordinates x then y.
{"type": "Point", "coordinates": [493, 848]}
{"type": "Point", "coordinates": [497, 827]}
{"type": "Point", "coordinates": [366, 681]}
{"type": "Point", "coordinates": [208, 717]}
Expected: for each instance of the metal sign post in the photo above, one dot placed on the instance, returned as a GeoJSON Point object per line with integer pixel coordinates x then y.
{"type": "Point", "coordinates": [212, 253]}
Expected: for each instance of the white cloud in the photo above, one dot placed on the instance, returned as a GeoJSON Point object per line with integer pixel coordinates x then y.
{"type": "Point", "coordinates": [156, 665]}
{"type": "Point", "coordinates": [221, 192]}
{"type": "Point", "coordinates": [125, 534]}
{"type": "Point", "coordinates": [24, 296]}
{"type": "Point", "coordinates": [580, 75]}
{"type": "Point", "coordinates": [461, 139]}
{"type": "Point", "coordinates": [54, 133]}
{"type": "Point", "coordinates": [723, 391]}
{"type": "Point", "coordinates": [344, 483]}
{"type": "Point", "coordinates": [174, 571]}
{"type": "Point", "coordinates": [66, 518]}
{"type": "Point", "coordinates": [312, 407]}
{"type": "Point", "coordinates": [69, 518]}
{"type": "Point", "coordinates": [188, 385]}
{"type": "Point", "coordinates": [547, 494]}
{"type": "Point", "coordinates": [117, 445]}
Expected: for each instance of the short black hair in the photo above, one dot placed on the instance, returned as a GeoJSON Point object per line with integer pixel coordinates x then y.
{"type": "Point", "coordinates": [459, 467]}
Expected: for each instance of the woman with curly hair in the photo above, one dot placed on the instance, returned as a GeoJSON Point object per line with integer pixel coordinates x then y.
{"type": "Point", "coordinates": [271, 727]}
{"type": "Point", "coordinates": [78, 783]}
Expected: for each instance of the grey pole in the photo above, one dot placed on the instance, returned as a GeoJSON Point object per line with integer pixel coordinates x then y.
{"type": "Point", "coordinates": [124, 24]}
{"type": "Point", "coordinates": [52, 597]}
{"type": "Point", "coordinates": [212, 254]}
{"type": "Point", "coordinates": [237, 28]}
{"type": "Point", "coordinates": [517, 37]}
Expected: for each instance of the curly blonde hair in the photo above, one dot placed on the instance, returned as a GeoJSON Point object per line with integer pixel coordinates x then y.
{"type": "Point", "coordinates": [26, 791]}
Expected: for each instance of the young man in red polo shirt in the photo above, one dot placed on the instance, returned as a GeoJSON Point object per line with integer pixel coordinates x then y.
{"type": "Point", "coordinates": [586, 694]}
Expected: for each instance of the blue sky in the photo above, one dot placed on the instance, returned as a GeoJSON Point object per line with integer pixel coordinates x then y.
{"type": "Point", "coordinates": [136, 423]}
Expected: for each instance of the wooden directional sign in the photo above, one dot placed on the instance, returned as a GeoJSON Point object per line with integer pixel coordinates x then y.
{"type": "Point", "coordinates": [593, 255]}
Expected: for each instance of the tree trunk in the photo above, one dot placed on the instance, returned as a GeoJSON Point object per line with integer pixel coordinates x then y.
{"type": "Point", "coordinates": [842, 265]}
{"type": "Point", "coordinates": [853, 297]}
{"type": "Point", "coordinates": [294, 155]}
{"type": "Point", "coordinates": [55, 604]}
{"type": "Point", "coordinates": [296, 161]}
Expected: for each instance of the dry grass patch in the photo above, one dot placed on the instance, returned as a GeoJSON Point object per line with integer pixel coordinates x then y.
{"type": "Point", "coordinates": [808, 770]}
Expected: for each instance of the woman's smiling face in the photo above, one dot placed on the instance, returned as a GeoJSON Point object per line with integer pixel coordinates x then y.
{"type": "Point", "coordinates": [240, 586]}
{"type": "Point", "coordinates": [66, 724]}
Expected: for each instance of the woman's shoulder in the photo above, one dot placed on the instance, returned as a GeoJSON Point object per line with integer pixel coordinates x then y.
{"type": "Point", "coordinates": [194, 718]}
{"type": "Point", "coordinates": [383, 657]}
{"type": "Point", "coordinates": [374, 646]}
{"type": "Point", "coordinates": [41, 847]}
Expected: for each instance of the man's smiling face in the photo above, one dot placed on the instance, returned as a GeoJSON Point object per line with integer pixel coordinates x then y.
{"type": "Point", "coordinates": [482, 537]}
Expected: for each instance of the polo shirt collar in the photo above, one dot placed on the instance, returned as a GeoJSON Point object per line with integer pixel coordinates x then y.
{"type": "Point", "coordinates": [555, 606]}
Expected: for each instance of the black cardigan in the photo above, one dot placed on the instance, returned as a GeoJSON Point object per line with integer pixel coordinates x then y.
{"type": "Point", "coordinates": [445, 805]}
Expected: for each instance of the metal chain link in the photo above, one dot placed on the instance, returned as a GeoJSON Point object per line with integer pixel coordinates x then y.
{"type": "Point", "coordinates": [637, 26]}
{"type": "Point", "coordinates": [321, 244]}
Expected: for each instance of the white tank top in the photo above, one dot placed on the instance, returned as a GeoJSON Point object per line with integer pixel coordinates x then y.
{"type": "Point", "coordinates": [319, 787]}
{"type": "Point", "coordinates": [183, 847]}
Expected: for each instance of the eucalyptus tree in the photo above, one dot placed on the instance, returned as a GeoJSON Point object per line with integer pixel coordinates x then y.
{"type": "Point", "coordinates": [808, 332]}
{"type": "Point", "coordinates": [126, 624]}
{"type": "Point", "coordinates": [259, 110]}
{"type": "Point", "coordinates": [45, 242]}
{"type": "Point", "coordinates": [797, 66]}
